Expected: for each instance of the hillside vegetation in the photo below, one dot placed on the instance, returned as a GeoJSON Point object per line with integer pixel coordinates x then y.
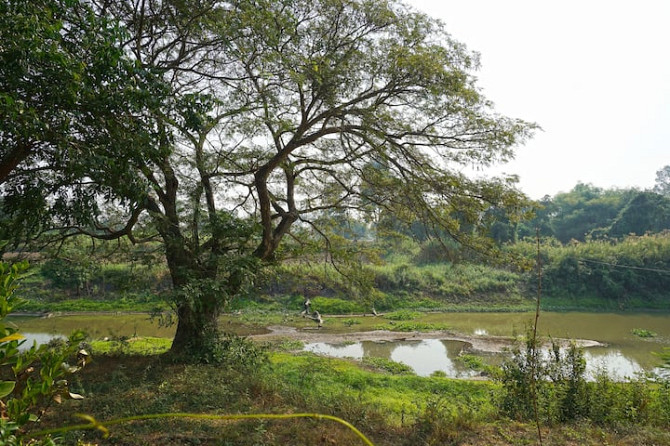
{"type": "Point", "coordinates": [631, 273]}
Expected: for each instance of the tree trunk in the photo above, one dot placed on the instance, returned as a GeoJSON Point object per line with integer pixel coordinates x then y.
{"type": "Point", "coordinates": [197, 303]}
{"type": "Point", "coordinates": [197, 331]}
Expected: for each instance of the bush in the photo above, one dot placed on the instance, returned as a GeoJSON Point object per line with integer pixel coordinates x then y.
{"type": "Point", "coordinates": [443, 422]}
{"type": "Point", "coordinates": [555, 383]}
{"type": "Point", "coordinates": [350, 322]}
{"type": "Point", "coordinates": [563, 394]}
{"type": "Point", "coordinates": [230, 351]}
{"type": "Point", "coordinates": [34, 379]}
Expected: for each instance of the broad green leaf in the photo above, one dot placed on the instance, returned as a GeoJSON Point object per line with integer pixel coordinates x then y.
{"type": "Point", "coordinates": [6, 387]}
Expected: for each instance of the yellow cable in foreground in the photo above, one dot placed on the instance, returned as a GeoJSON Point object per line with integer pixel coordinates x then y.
{"type": "Point", "coordinates": [95, 424]}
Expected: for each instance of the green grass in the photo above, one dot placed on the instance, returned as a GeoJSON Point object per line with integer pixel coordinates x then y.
{"type": "Point", "coordinates": [132, 376]}
{"type": "Point", "coordinates": [412, 326]}
{"type": "Point", "coordinates": [140, 302]}
{"type": "Point", "coordinates": [132, 346]}
{"type": "Point", "coordinates": [393, 367]}
{"type": "Point", "coordinates": [402, 315]}
{"type": "Point", "coordinates": [390, 407]}
{"type": "Point", "coordinates": [393, 394]}
{"type": "Point", "coordinates": [350, 322]}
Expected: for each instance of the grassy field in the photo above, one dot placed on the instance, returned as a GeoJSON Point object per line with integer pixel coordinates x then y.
{"type": "Point", "coordinates": [390, 408]}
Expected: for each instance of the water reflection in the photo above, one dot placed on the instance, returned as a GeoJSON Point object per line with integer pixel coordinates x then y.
{"type": "Point", "coordinates": [425, 357]}
{"type": "Point", "coordinates": [39, 338]}
{"type": "Point", "coordinates": [612, 362]}
{"type": "Point", "coordinates": [432, 355]}
{"type": "Point", "coordinates": [354, 351]}
{"type": "Point", "coordinates": [428, 356]}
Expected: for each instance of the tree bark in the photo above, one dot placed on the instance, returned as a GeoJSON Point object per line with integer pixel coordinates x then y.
{"type": "Point", "coordinates": [198, 303]}
{"type": "Point", "coordinates": [9, 162]}
{"type": "Point", "coordinates": [197, 331]}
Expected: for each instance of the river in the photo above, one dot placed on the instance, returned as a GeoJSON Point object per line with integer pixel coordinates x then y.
{"type": "Point", "coordinates": [624, 353]}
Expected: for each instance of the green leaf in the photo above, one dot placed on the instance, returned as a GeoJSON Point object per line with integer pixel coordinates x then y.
{"type": "Point", "coordinates": [6, 387]}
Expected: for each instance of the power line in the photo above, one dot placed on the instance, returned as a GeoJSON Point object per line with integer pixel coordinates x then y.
{"type": "Point", "coordinates": [656, 270]}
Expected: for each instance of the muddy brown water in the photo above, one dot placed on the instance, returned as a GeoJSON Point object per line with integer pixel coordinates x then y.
{"type": "Point", "coordinates": [623, 353]}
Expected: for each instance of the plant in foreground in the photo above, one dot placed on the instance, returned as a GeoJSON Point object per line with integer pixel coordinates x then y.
{"type": "Point", "coordinates": [32, 379]}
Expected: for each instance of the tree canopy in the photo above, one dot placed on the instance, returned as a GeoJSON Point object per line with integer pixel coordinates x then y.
{"type": "Point", "coordinates": [72, 105]}
{"type": "Point", "coordinates": [264, 115]}
{"type": "Point", "coordinates": [662, 185]}
{"type": "Point", "coordinates": [589, 212]}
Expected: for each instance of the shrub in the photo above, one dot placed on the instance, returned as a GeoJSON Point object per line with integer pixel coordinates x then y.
{"type": "Point", "coordinates": [443, 422]}
{"type": "Point", "coordinates": [476, 363]}
{"type": "Point", "coordinates": [35, 378]}
{"type": "Point", "coordinates": [231, 351]}
{"type": "Point", "coordinates": [350, 322]}
{"type": "Point", "coordinates": [563, 394]}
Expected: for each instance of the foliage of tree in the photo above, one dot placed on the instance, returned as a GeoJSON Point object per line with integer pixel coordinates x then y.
{"type": "Point", "coordinates": [645, 212]}
{"type": "Point", "coordinates": [591, 212]}
{"type": "Point", "coordinates": [662, 185]}
{"type": "Point", "coordinates": [275, 112]}
{"type": "Point", "coordinates": [584, 209]}
{"type": "Point", "coordinates": [73, 109]}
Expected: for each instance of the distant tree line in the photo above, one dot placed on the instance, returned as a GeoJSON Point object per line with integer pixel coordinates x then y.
{"type": "Point", "coordinates": [585, 213]}
{"type": "Point", "coordinates": [589, 212]}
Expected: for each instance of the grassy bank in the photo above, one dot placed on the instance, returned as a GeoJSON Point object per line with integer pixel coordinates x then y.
{"type": "Point", "coordinates": [630, 275]}
{"type": "Point", "coordinates": [390, 409]}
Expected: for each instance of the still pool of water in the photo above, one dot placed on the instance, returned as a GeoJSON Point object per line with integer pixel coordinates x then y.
{"type": "Point", "coordinates": [428, 356]}
{"type": "Point", "coordinates": [425, 357]}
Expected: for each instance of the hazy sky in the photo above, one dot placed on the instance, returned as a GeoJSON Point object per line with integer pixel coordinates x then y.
{"type": "Point", "coordinates": [594, 74]}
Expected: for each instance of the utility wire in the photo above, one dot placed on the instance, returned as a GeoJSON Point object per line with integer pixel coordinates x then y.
{"type": "Point", "coordinates": [656, 270]}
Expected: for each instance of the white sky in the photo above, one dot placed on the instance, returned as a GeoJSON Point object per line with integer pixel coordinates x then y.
{"type": "Point", "coordinates": [594, 74]}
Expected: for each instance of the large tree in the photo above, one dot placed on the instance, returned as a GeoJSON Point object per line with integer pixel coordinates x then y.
{"type": "Point", "coordinates": [646, 212]}
{"type": "Point", "coordinates": [282, 110]}
{"type": "Point", "coordinates": [585, 210]}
